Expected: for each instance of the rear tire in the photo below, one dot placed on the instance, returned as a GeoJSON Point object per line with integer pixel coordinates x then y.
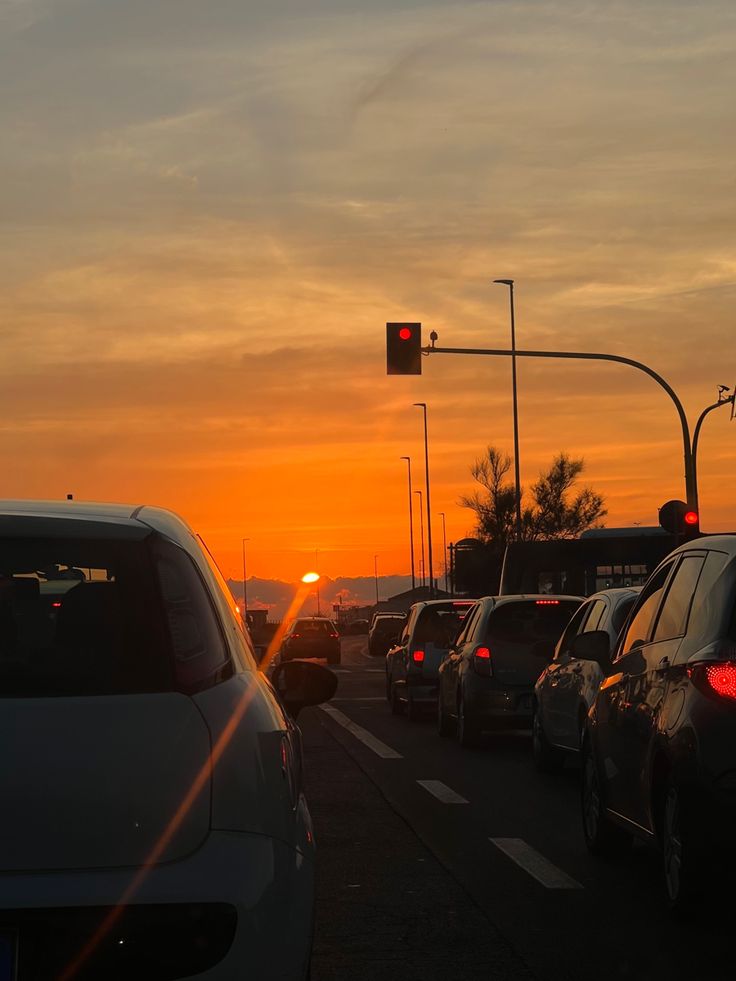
{"type": "Point", "coordinates": [682, 864]}
{"type": "Point", "coordinates": [397, 706]}
{"type": "Point", "coordinates": [468, 731]}
{"type": "Point", "coordinates": [602, 836]}
{"type": "Point", "coordinates": [445, 726]}
{"type": "Point", "coordinates": [413, 711]}
{"type": "Point", "coordinates": [547, 758]}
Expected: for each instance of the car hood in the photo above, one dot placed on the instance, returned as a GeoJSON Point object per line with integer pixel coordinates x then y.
{"type": "Point", "coordinates": [93, 782]}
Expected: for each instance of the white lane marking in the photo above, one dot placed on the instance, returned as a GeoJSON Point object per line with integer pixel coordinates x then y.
{"type": "Point", "coordinates": [442, 792]}
{"type": "Point", "coordinates": [535, 864]}
{"type": "Point", "coordinates": [367, 738]}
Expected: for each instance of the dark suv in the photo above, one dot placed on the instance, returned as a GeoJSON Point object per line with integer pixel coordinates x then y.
{"type": "Point", "coordinates": [311, 637]}
{"type": "Point", "coordinates": [659, 753]}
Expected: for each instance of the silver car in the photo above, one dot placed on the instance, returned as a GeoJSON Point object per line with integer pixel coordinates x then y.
{"type": "Point", "coordinates": [566, 688]}
{"type": "Point", "coordinates": [154, 823]}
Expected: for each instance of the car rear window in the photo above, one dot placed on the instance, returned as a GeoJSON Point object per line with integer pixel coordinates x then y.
{"type": "Point", "coordinates": [314, 627]}
{"type": "Point", "coordinates": [79, 618]}
{"type": "Point", "coordinates": [529, 621]}
{"type": "Point", "coordinates": [439, 624]}
{"type": "Point", "coordinates": [388, 625]}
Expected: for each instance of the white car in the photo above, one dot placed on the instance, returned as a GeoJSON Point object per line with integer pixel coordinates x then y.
{"type": "Point", "coordinates": [153, 821]}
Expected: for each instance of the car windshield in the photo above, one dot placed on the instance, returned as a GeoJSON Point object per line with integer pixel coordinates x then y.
{"type": "Point", "coordinates": [79, 617]}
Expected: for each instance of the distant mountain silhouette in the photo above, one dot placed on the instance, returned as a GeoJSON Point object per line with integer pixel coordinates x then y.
{"type": "Point", "coordinates": [275, 595]}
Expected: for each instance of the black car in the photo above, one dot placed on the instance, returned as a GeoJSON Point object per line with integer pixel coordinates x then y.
{"type": "Point", "coordinates": [384, 632]}
{"type": "Point", "coordinates": [487, 678]}
{"type": "Point", "coordinates": [659, 753]}
{"type": "Point", "coordinates": [311, 637]}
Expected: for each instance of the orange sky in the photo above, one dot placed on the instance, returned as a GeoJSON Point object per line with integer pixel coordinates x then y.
{"type": "Point", "coordinates": [209, 217]}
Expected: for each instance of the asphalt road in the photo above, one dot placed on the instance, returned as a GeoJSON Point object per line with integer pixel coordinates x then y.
{"type": "Point", "coordinates": [436, 862]}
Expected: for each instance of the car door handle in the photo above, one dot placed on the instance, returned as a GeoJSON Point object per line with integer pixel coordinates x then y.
{"type": "Point", "coordinates": [663, 666]}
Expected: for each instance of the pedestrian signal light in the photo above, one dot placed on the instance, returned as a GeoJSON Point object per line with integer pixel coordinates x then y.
{"type": "Point", "coordinates": [403, 349]}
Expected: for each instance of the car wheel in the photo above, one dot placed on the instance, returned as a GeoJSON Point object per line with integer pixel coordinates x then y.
{"type": "Point", "coordinates": [602, 836]}
{"type": "Point", "coordinates": [547, 758]}
{"type": "Point", "coordinates": [682, 865]}
{"type": "Point", "coordinates": [445, 726]}
{"type": "Point", "coordinates": [397, 706]}
{"type": "Point", "coordinates": [468, 731]}
{"type": "Point", "coordinates": [413, 710]}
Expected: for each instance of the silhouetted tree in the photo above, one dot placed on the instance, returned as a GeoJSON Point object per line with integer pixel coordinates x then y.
{"type": "Point", "coordinates": [551, 514]}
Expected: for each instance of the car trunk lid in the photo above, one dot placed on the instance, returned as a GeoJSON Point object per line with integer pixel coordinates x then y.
{"type": "Point", "coordinates": [94, 781]}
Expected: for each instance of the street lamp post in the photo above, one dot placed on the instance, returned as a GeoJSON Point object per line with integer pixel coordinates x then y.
{"type": "Point", "coordinates": [375, 573]}
{"type": "Point", "coordinates": [245, 592]}
{"type": "Point", "coordinates": [444, 544]}
{"type": "Point", "coordinates": [726, 400]}
{"type": "Point", "coordinates": [510, 284]}
{"type": "Point", "coordinates": [316, 566]}
{"type": "Point", "coordinates": [421, 532]}
{"type": "Point", "coordinates": [423, 407]}
{"type": "Point", "coordinates": [411, 524]}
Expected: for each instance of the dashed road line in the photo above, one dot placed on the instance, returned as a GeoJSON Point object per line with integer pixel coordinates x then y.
{"type": "Point", "coordinates": [442, 792]}
{"type": "Point", "coordinates": [367, 738]}
{"type": "Point", "coordinates": [535, 864]}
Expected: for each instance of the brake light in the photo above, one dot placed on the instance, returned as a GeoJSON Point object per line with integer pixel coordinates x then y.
{"type": "Point", "coordinates": [722, 679]}
{"type": "Point", "coordinates": [482, 662]}
{"type": "Point", "coordinates": [418, 657]}
{"type": "Point", "coordinates": [295, 635]}
{"type": "Point", "coordinates": [334, 636]}
{"type": "Point", "coordinates": [56, 605]}
{"type": "Point", "coordinates": [547, 602]}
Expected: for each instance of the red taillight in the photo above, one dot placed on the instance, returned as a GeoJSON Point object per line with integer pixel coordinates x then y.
{"type": "Point", "coordinates": [482, 661]}
{"type": "Point", "coordinates": [547, 602]}
{"type": "Point", "coordinates": [56, 605]}
{"type": "Point", "coordinates": [295, 635]}
{"type": "Point", "coordinates": [722, 679]}
{"type": "Point", "coordinates": [334, 636]}
{"type": "Point", "coordinates": [418, 657]}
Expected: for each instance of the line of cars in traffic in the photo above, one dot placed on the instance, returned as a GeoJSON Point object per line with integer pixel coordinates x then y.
{"type": "Point", "coordinates": [638, 683]}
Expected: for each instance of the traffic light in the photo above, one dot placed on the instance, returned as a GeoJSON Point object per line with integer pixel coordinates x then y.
{"type": "Point", "coordinates": [680, 520]}
{"type": "Point", "coordinates": [403, 349]}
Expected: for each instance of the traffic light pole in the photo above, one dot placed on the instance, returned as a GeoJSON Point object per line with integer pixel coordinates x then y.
{"type": "Point", "coordinates": [691, 486]}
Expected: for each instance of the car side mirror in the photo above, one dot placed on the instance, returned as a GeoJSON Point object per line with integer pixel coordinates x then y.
{"type": "Point", "coordinates": [303, 683]}
{"type": "Point", "coordinates": [592, 646]}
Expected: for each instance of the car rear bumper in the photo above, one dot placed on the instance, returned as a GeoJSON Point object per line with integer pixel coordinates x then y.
{"type": "Point", "coordinates": [265, 882]}
{"type": "Point", "coordinates": [501, 708]}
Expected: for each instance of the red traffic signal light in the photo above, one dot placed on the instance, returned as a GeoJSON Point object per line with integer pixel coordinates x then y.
{"type": "Point", "coordinates": [403, 349]}
{"type": "Point", "coordinates": [679, 520]}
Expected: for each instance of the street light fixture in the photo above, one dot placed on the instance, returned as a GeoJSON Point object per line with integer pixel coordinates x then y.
{"type": "Point", "coordinates": [423, 407]}
{"type": "Point", "coordinates": [510, 284]}
{"type": "Point", "coordinates": [444, 544]}
{"type": "Point", "coordinates": [411, 524]}
{"type": "Point", "coordinates": [421, 531]}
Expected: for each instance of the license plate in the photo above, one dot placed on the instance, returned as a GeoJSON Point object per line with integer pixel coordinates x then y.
{"type": "Point", "coordinates": [8, 944]}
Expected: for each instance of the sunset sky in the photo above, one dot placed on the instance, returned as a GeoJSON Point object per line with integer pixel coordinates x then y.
{"type": "Point", "coordinates": [211, 208]}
